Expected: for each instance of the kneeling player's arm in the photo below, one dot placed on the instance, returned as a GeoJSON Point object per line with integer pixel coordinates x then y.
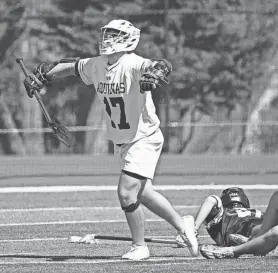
{"type": "Point", "coordinates": [155, 73]}
{"type": "Point", "coordinates": [209, 203]}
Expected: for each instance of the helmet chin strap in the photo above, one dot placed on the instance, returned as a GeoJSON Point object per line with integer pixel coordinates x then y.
{"type": "Point", "coordinates": [114, 57]}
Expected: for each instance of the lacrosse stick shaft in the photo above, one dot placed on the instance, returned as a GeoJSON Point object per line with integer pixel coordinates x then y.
{"type": "Point", "coordinates": [37, 95]}
{"type": "Point", "coordinates": [58, 130]}
{"type": "Point", "coordinates": [147, 240]}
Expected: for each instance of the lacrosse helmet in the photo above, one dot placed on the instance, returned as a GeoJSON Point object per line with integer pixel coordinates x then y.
{"type": "Point", "coordinates": [118, 36]}
{"type": "Point", "coordinates": [232, 196]}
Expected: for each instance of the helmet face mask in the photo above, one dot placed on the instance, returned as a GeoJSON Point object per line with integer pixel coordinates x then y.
{"type": "Point", "coordinates": [231, 197]}
{"type": "Point", "coordinates": [111, 37]}
{"type": "Point", "coordinates": [118, 36]}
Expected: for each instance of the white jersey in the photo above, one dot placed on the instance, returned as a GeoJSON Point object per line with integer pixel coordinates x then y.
{"type": "Point", "coordinates": [130, 115]}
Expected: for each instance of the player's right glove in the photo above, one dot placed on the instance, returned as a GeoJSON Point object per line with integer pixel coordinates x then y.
{"type": "Point", "coordinates": [149, 82]}
{"type": "Point", "coordinates": [37, 79]}
{"type": "Point", "coordinates": [156, 74]}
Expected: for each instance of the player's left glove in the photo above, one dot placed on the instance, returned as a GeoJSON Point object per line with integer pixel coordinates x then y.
{"type": "Point", "coordinates": [158, 72]}
{"type": "Point", "coordinates": [36, 80]}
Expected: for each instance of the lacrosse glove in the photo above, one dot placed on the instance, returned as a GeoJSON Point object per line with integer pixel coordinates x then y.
{"type": "Point", "coordinates": [36, 80]}
{"type": "Point", "coordinates": [156, 74]}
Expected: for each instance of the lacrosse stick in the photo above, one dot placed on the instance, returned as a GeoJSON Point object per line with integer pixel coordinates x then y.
{"type": "Point", "coordinates": [59, 130]}
{"type": "Point", "coordinates": [92, 239]}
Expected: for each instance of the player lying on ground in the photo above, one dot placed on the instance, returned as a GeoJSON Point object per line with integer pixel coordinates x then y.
{"type": "Point", "coordinates": [261, 243]}
{"type": "Point", "coordinates": [229, 220]}
{"type": "Point", "coordinates": [121, 79]}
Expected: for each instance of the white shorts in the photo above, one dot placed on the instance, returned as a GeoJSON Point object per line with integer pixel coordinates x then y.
{"type": "Point", "coordinates": [141, 156]}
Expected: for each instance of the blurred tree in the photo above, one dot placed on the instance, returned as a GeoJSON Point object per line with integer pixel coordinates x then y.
{"type": "Point", "coordinates": [219, 56]}
{"type": "Point", "coordinates": [15, 29]}
{"type": "Point", "coordinates": [261, 133]}
{"type": "Point", "coordinates": [49, 31]}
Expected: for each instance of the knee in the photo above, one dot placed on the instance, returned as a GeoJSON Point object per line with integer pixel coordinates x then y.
{"type": "Point", "coordinates": [131, 207]}
{"type": "Point", "coordinates": [128, 199]}
{"type": "Point", "coordinates": [272, 235]}
{"type": "Point", "coordinates": [125, 195]}
{"type": "Point", "coordinates": [128, 192]}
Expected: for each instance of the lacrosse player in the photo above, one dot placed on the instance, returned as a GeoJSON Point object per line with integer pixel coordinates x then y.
{"type": "Point", "coordinates": [229, 220]}
{"type": "Point", "coordinates": [122, 80]}
{"type": "Point", "coordinates": [261, 243]}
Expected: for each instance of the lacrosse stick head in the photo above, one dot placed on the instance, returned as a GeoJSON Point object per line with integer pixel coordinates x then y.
{"type": "Point", "coordinates": [87, 239]}
{"type": "Point", "coordinates": [60, 131]}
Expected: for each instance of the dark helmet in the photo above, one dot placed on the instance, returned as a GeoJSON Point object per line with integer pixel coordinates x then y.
{"type": "Point", "coordinates": [234, 195]}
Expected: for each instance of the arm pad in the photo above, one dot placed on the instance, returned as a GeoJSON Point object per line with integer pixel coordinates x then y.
{"type": "Point", "coordinates": [60, 69]}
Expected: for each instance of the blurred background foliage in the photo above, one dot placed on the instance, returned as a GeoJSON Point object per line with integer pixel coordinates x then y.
{"type": "Point", "coordinates": [223, 90]}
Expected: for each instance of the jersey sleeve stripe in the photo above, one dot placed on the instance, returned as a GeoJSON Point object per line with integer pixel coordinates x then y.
{"type": "Point", "coordinates": [219, 202]}
{"type": "Point", "coordinates": [81, 70]}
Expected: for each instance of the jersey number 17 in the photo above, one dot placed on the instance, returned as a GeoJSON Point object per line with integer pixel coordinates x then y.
{"type": "Point", "coordinates": [117, 102]}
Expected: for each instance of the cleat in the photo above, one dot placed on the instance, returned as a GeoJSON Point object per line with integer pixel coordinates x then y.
{"type": "Point", "coordinates": [237, 239]}
{"type": "Point", "coordinates": [215, 252]}
{"type": "Point", "coordinates": [180, 241]}
{"type": "Point", "coordinates": [137, 253]}
{"type": "Point", "coordinates": [188, 235]}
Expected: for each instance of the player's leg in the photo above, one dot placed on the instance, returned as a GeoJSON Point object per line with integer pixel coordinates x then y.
{"type": "Point", "coordinates": [270, 218]}
{"type": "Point", "coordinates": [160, 206]}
{"type": "Point", "coordinates": [259, 245]}
{"type": "Point", "coordinates": [157, 203]}
{"type": "Point", "coordinates": [129, 193]}
{"type": "Point", "coordinates": [138, 162]}
{"type": "Point", "coordinates": [141, 158]}
{"type": "Point", "coordinates": [147, 155]}
{"type": "Point", "coordinates": [129, 189]}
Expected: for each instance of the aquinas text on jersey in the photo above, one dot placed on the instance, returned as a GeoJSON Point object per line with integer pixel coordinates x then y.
{"type": "Point", "coordinates": [111, 88]}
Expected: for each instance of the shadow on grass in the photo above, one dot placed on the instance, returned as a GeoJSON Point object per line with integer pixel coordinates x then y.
{"type": "Point", "coordinates": [57, 258]}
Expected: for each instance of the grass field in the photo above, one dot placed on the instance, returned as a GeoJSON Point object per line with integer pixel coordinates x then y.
{"type": "Point", "coordinates": [39, 214]}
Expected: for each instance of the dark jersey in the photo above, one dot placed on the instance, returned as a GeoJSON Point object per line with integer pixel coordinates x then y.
{"type": "Point", "coordinates": [232, 221]}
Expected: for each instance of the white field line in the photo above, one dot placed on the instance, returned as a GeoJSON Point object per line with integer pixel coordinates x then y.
{"type": "Point", "coordinates": [95, 208]}
{"type": "Point", "coordinates": [79, 221]}
{"type": "Point", "coordinates": [109, 261]}
{"type": "Point", "coordinates": [43, 189]}
{"type": "Point", "coordinates": [33, 240]}
{"type": "Point", "coordinates": [73, 222]}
